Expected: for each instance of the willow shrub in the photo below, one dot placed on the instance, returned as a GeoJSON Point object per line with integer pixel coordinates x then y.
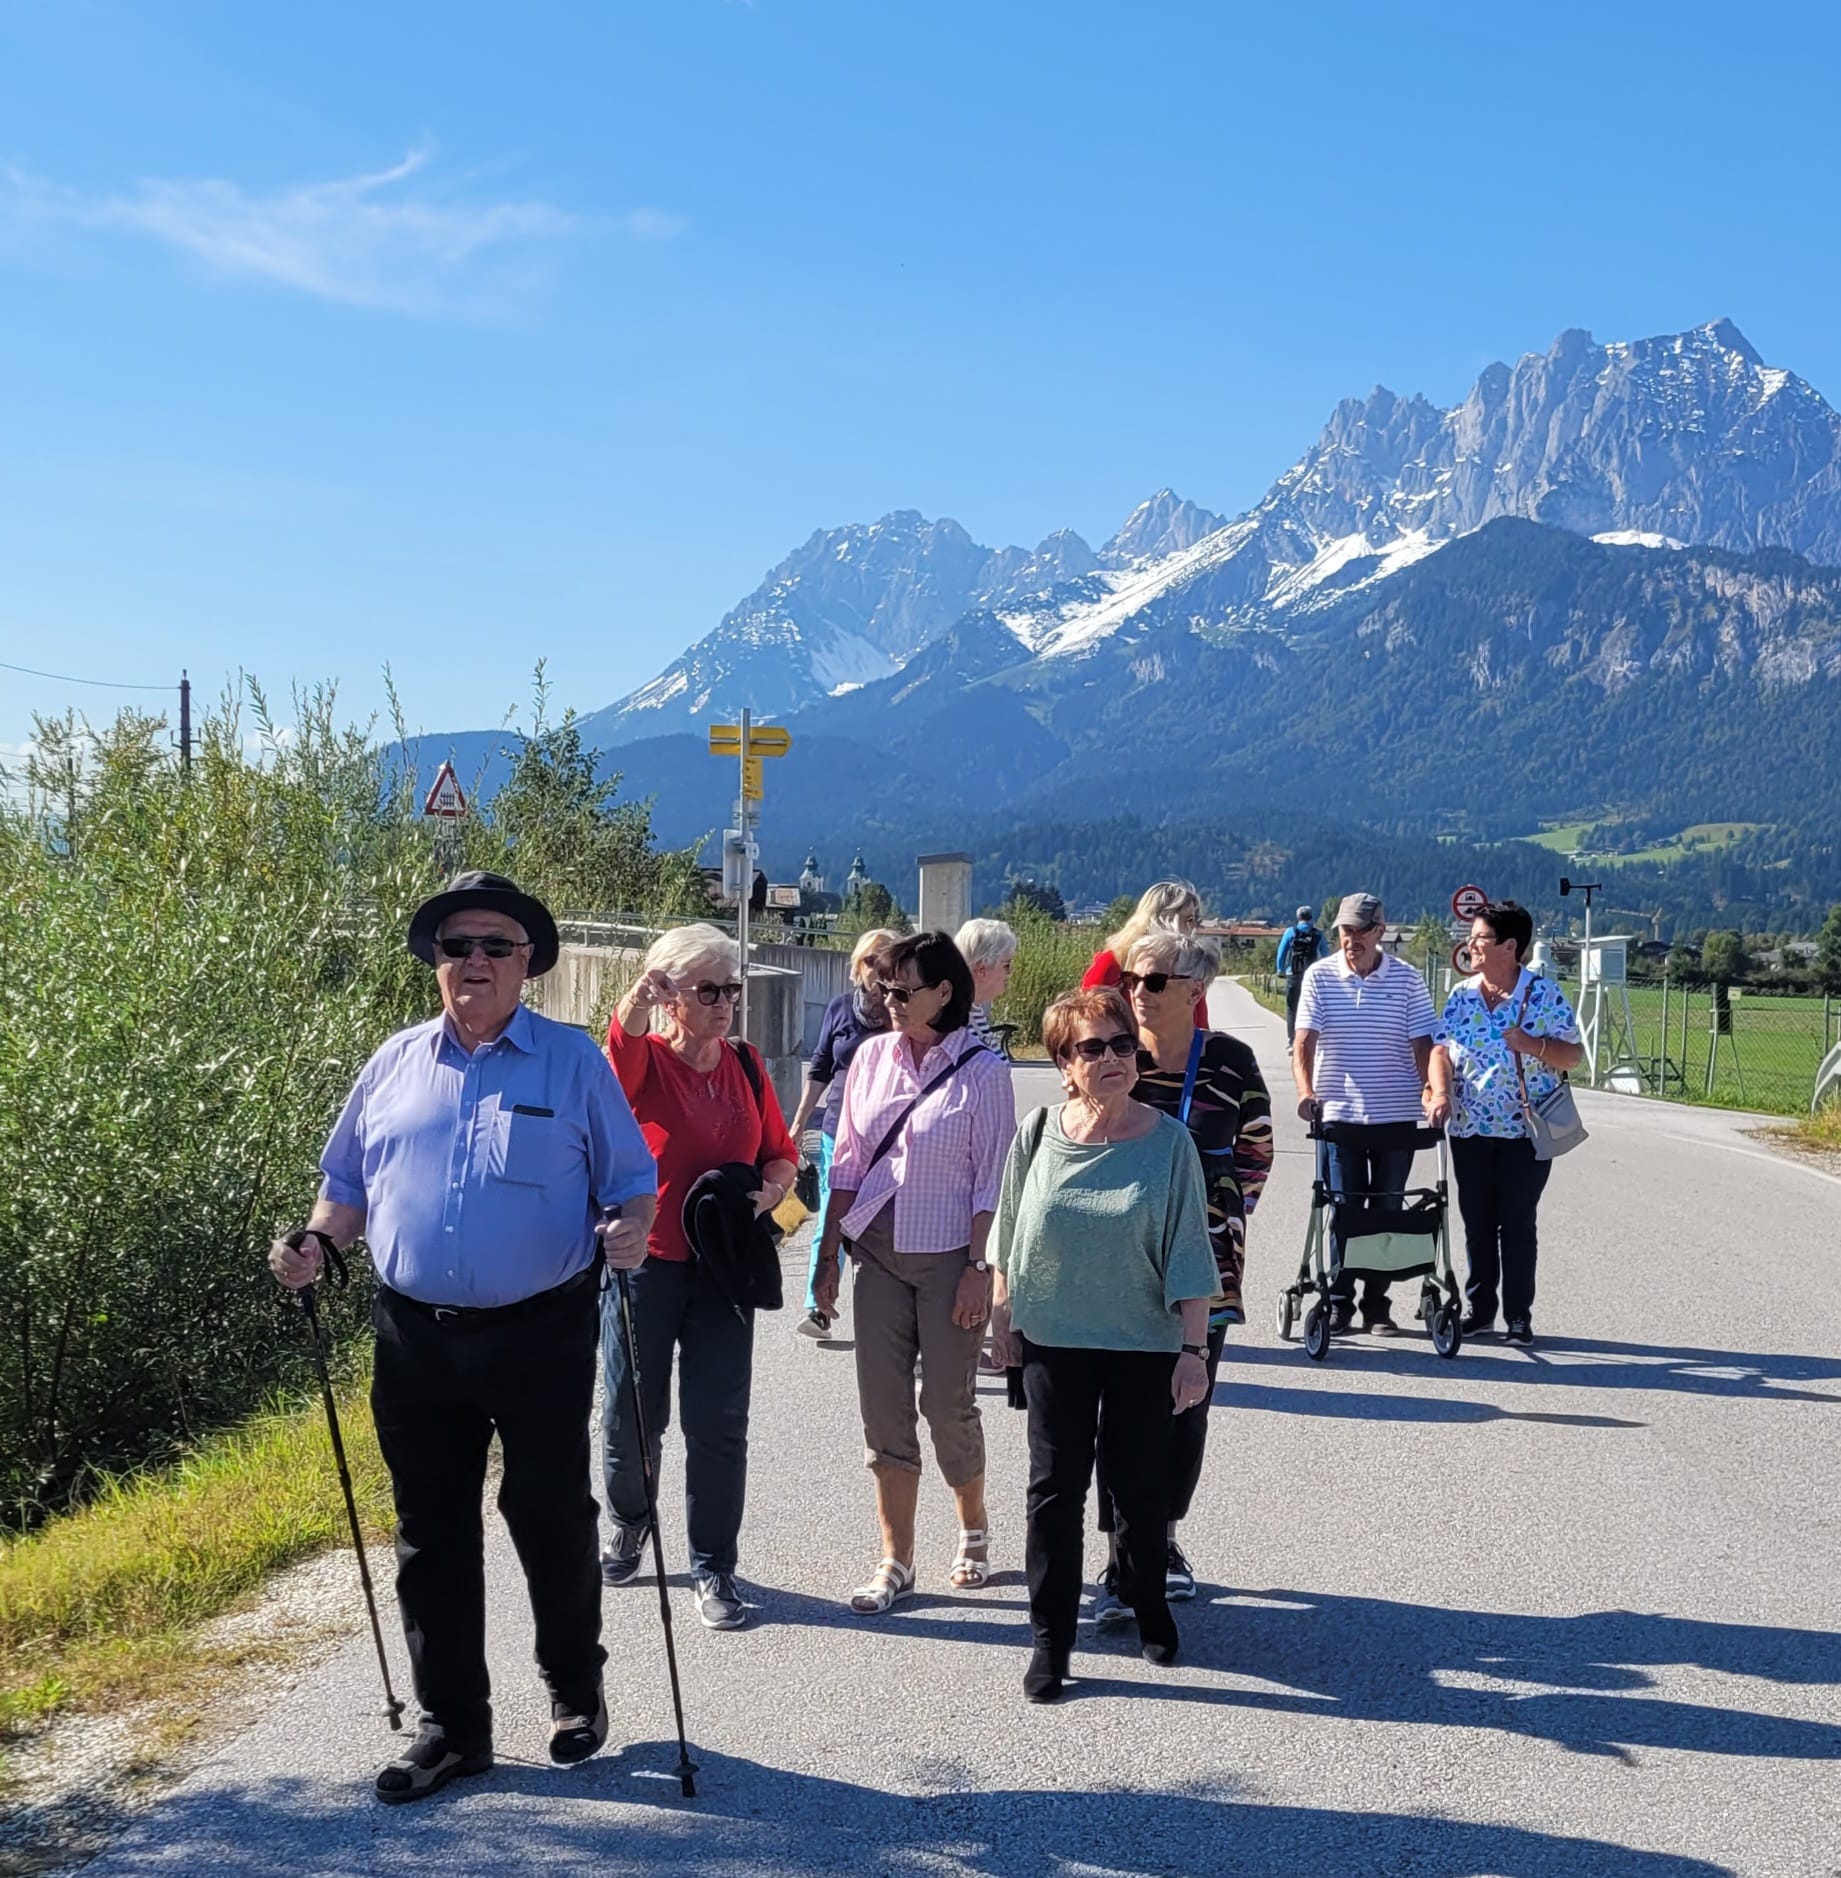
{"type": "Point", "coordinates": [192, 971]}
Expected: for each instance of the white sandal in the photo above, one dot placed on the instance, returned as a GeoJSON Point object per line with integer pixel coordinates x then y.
{"type": "Point", "coordinates": [967, 1573]}
{"type": "Point", "coordinates": [890, 1580]}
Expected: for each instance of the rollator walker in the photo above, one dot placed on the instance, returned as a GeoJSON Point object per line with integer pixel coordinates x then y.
{"type": "Point", "coordinates": [1402, 1236]}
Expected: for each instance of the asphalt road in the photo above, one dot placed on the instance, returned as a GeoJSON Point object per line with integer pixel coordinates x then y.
{"type": "Point", "coordinates": [1565, 1610]}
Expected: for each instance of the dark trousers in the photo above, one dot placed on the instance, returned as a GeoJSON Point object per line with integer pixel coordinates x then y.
{"type": "Point", "coordinates": [440, 1390]}
{"type": "Point", "coordinates": [1188, 1441]}
{"type": "Point", "coordinates": [1293, 988]}
{"type": "Point", "coordinates": [1118, 1400]}
{"type": "Point", "coordinates": [1499, 1186]}
{"type": "Point", "coordinates": [1363, 1164]}
{"type": "Point", "coordinates": [678, 1309]}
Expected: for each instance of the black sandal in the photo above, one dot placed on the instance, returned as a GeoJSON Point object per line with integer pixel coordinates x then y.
{"type": "Point", "coordinates": [426, 1766]}
{"type": "Point", "coordinates": [576, 1733]}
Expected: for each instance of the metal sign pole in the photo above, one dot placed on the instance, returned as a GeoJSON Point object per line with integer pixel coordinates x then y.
{"type": "Point", "coordinates": [747, 894]}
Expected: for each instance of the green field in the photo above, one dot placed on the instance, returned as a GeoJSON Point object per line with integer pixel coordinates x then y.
{"type": "Point", "coordinates": [1700, 838]}
{"type": "Point", "coordinates": [1767, 1063]}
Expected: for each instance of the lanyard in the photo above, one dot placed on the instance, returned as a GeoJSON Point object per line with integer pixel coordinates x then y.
{"type": "Point", "coordinates": [1195, 1063]}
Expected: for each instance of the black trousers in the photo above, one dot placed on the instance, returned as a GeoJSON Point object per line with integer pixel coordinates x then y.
{"type": "Point", "coordinates": [1119, 1401]}
{"type": "Point", "coordinates": [1188, 1443]}
{"type": "Point", "coordinates": [678, 1307]}
{"type": "Point", "coordinates": [1499, 1187]}
{"type": "Point", "coordinates": [1368, 1160]}
{"type": "Point", "coordinates": [1293, 988]}
{"type": "Point", "coordinates": [440, 1391]}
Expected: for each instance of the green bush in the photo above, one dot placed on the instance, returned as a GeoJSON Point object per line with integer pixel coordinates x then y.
{"type": "Point", "coordinates": [1050, 958]}
{"type": "Point", "coordinates": [192, 971]}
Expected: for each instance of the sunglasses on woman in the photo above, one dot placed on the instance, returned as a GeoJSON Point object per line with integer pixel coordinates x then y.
{"type": "Point", "coordinates": [719, 994]}
{"type": "Point", "coordinates": [494, 947]}
{"type": "Point", "coordinates": [1091, 1049]}
{"type": "Point", "coordinates": [1153, 982]}
{"type": "Point", "coordinates": [900, 994]}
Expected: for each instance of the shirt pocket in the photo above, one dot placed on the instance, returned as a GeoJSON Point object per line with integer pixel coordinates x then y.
{"type": "Point", "coordinates": [532, 1150]}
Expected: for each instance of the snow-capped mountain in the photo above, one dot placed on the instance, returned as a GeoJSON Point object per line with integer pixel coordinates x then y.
{"type": "Point", "coordinates": [1684, 439]}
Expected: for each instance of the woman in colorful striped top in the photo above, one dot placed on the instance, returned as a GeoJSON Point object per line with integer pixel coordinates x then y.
{"type": "Point", "coordinates": [1228, 1113]}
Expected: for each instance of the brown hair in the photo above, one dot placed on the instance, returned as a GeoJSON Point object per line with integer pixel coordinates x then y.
{"type": "Point", "coordinates": [1074, 1008]}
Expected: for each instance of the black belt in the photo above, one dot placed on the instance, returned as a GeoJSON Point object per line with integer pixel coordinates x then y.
{"type": "Point", "coordinates": [466, 1316]}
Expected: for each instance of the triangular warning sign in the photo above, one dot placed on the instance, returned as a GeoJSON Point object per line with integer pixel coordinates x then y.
{"type": "Point", "coordinates": [446, 798]}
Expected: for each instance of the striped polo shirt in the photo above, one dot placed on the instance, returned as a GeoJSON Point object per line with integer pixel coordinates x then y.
{"type": "Point", "coordinates": [1364, 1071]}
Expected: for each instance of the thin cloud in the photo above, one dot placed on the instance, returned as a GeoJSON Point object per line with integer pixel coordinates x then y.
{"type": "Point", "coordinates": [384, 239]}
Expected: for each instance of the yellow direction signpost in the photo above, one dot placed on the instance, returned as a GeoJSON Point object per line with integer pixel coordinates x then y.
{"type": "Point", "coordinates": [747, 744]}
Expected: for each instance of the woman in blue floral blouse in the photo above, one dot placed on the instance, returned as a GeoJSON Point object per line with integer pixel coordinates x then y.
{"type": "Point", "coordinates": [1505, 1040]}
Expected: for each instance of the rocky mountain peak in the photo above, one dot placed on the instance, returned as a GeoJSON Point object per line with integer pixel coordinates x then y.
{"type": "Point", "coordinates": [1163, 524]}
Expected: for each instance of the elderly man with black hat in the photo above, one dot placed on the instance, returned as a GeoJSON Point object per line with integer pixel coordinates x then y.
{"type": "Point", "coordinates": [1360, 1061]}
{"type": "Point", "coordinates": [474, 1155]}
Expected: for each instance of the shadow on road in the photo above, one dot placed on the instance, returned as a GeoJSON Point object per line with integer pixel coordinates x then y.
{"type": "Point", "coordinates": [1573, 1363]}
{"type": "Point", "coordinates": [1354, 1405]}
{"type": "Point", "coordinates": [623, 1818]}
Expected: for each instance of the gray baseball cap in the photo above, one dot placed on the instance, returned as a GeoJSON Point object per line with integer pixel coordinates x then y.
{"type": "Point", "coordinates": [1358, 910]}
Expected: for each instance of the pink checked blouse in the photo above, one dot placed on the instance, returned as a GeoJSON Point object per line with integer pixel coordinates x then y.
{"type": "Point", "coordinates": [947, 1163]}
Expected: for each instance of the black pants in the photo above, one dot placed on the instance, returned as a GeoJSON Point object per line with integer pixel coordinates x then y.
{"type": "Point", "coordinates": [1499, 1185]}
{"type": "Point", "coordinates": [1292, 990]}
{"type": "Point", "coordinates": [1367, 1160]}
{"type": "Point", "coordinates": [440, 1391]}
{"type": "Point", "coordinates": [1118, 1400]}
{"type": "Point", "coordinates": [678, 1308]}
{"type": "Point", "coordinates": [1188, 1441]}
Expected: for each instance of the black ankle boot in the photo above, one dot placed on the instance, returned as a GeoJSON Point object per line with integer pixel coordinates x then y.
{"type": "Point", "coordinates": [1157, 1635]}
{"type": "Point", "coordinates": [1047, 1673]}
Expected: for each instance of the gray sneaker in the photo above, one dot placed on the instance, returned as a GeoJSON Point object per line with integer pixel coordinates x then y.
{"type": "Point", "coordinates": [620, 1558]}
{"type": "Point", "coordinates": [1108, 1606]}
{"type": "Point", "coordinates": [719, 1602]}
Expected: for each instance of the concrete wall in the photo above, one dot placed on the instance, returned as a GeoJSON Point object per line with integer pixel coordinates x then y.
{"type": "Point", "coordinates": [945, 892]}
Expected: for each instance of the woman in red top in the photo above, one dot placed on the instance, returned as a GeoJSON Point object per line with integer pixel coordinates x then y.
{"type": "Point", "coordinates": [697, 1107]}
{"type": "Point", "coordinates": [1169, 906]}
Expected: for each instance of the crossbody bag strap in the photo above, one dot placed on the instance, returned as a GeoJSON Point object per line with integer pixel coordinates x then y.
{"type": "Point", "coordinates": [1189, 1075]}
{"type": "Point", "coordinates": [1521, 1074]}
{"type": "Point", "coordinates": [901, 1121]}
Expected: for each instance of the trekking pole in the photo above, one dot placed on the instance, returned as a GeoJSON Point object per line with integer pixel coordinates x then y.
{"type": "Point", "coordinates": [687, 1768]}
{"type": "Point", "coordinates": [337, 1275]}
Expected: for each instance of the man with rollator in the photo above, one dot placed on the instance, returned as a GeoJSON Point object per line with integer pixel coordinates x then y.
{"type": "Point", "coordinates": [1362, 1055]}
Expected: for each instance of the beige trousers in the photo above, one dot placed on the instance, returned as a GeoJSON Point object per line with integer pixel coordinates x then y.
{"type": "Point", "coordinates": [902, 1302]}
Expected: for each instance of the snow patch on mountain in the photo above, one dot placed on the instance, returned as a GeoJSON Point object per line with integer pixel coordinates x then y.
{"type": "Point", "coordinates": [1636, 538]}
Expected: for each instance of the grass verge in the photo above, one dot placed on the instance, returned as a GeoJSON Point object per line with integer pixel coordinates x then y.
{"type": "Point", "coordinates": [102, 1607]}
{"type": "Point", "coordinates": [1820, 1132]}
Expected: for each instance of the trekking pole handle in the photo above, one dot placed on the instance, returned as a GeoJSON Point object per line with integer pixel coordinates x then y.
{"type": "Point", "coordinates": [333, 1267]}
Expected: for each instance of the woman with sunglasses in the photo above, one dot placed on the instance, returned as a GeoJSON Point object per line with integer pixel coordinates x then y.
{"type": "Point", "coordinates": [927, 1117]}
{"type": "Point", "coordinates": [699, 1108]}
{"type": "Point", "coordinates": [1104, 1280]}
{"type": "Point", "coordinates": [1210, 1082]}
{"type": "Point", "coordinates": [1169, 906]}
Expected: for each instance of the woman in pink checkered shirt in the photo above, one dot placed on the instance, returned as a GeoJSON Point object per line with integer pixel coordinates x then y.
{"type": "Point", "coordinates": [926, 1121]}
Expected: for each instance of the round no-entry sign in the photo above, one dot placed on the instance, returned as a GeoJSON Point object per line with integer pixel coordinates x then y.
{"type": "Point", "coordinates": [1460, 961]}
{"type": "Point", "coordinates": [1468, 902]}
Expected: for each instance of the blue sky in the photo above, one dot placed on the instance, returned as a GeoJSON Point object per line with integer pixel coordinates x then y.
{"type": "Point", "coordinates": [454, 335]}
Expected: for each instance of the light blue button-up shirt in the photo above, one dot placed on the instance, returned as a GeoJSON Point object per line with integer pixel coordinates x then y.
{"type": "Point", "coordinates": [479, 1174]}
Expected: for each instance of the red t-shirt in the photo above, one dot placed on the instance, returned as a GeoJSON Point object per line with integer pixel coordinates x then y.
{"type": "Point", "coordinates": [1105, 970]}
{"type": "Point", "coordinates": [693, 1121]}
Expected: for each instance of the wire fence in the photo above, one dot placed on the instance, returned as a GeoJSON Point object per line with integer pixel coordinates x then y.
{"type": "Point", "coordinates": [1728, 1046]}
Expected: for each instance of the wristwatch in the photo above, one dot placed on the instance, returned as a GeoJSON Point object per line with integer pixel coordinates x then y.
{"type": "Point", "coordinates": [978, 1265]}
{"type": "Point", "coordinates": [1196, 1349]}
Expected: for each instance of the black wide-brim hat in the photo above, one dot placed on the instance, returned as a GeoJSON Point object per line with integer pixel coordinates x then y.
{"type": "Point", "coordinates": [495, 894]}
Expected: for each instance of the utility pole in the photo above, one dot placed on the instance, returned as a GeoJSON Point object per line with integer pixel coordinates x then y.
{"type": "Point", "coordinates": [745, 820]}
{"type": "Point", "coordinates": [185, 725]}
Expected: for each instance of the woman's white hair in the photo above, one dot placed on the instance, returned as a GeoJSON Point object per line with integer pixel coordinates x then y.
{"type": "Point", "coordinates": [985, 943]}
{"type": "Point", "coordinates": [1186, 955]}
{"type": "Point", "coordinates": [678, 952]}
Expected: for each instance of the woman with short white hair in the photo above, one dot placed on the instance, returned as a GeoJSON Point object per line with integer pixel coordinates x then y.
{"type": "Point", "coordinates": [703, 1101]}
{"type": "Point", "coordinates": [988, 946]}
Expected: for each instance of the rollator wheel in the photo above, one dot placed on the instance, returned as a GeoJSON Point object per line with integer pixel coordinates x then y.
{"type": "Point", "coordinates": [1317, 1333]}
{"type": "Point", "coordinates": [1287, 1314]}
{"type": "Point", "coordinates": [1447, 1336]}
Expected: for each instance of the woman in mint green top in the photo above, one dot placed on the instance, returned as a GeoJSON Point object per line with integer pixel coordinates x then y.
{"type": "Point", "coordinates": [1105, 1274]}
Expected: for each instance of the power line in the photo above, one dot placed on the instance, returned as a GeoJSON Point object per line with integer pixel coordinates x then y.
{"type": "Point", "coordinates": [63, 678]}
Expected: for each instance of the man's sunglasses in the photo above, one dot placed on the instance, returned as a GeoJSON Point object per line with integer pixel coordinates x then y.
{"type": "Point", "coordinates": [719, 994]}
{"type": "Point", "coordinates": [492, 945]}
{"type": "Point", "coordinates": [1153, 982]}
{"type": "Point", "coordinates": [900, 994]}
{"type": "Point", "coordinates": [1091, 1049]}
